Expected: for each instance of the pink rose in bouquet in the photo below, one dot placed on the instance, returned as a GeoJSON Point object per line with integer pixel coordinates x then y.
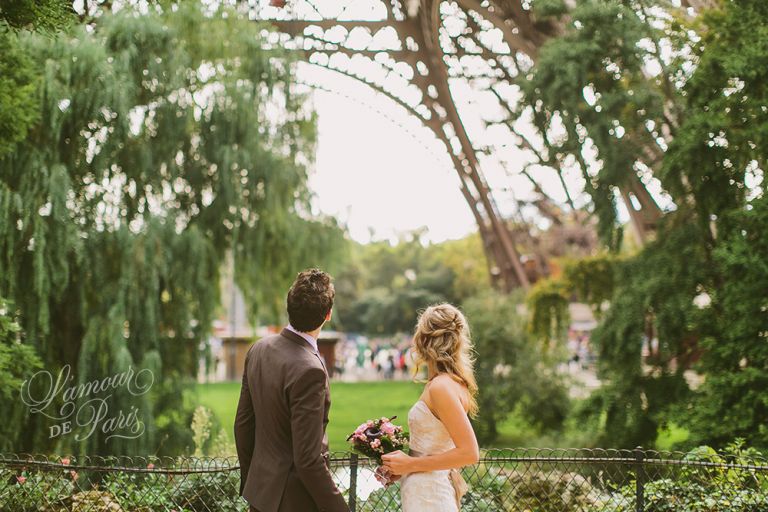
{"type": "Point", "coordinates": [374, 438]}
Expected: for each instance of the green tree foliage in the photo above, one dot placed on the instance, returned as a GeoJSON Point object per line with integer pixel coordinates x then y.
{"type": "Point", "coordinates": [548, 304]}
{"type": "Point", "coordinates": [590, 94]}
{"type": "Point", "coordinates": [721, 148]}
{"type": "Point", "coordinates": [164, 141]}
{"type": "Point", "coordinates": [379, 289]}
{"type": "Point", "coordinates": [18, 85]}
{"type": "Point", "coordinates": [649, 303]}
{"type": "Point", "coordinates": [18, 76]}
{"type": "Point", "coordinates": [710, 248]}
{"type": "Point", "coordinates": [18, 362]}
{"type": "Point", "coordinates": [465, 259]}
{"type": "Point", "coordinates": [513, 371]}
{"type": "Point", "coordinates": [384, 286]}
{"type": "Point", "coordinates": [733, 401]}
{"type": "Point", "coordinates": [40, 15]}
{"type": "Point", "coordinates": [590, 280]}
{"type": "Point", "coordinates": [722, 141]}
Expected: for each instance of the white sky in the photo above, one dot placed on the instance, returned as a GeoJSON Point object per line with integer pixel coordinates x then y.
{"type": "Point", "coordinates": [378, 169]}
{"type": "Point", "coordinates": [381, 178]}
{"type": "Point", "coordinates": [381, 172]}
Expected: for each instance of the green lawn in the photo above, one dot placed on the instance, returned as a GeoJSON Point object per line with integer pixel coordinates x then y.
{"type": "Point", "coordinates": [670, 436]}
{"type": "Point", "coordinates": [351, 404]}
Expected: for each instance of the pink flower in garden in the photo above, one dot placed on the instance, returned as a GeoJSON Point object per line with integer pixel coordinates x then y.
{"type": "Point", "coordinates": [150, 466]}
{"type": "Point", "coordinates": [388, 428]}
{"type": "Point", "coordinates": [375, 443]}
{"type": "Point", "coordinates": [65, 461]}
{"type": "Point", "coordinates": [74, 475]}
{"type": "Point", "coordinates": [21, 479]}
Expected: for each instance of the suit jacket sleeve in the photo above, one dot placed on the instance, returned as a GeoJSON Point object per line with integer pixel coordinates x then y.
{"type": "Point", "coordinates": [307, 397]}
{"type": "Point", "coordinates": [245, 428]}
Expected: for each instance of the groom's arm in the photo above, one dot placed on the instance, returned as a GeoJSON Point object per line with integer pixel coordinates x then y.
{"type": "Point", "coordinates": [245, 427]}
{"type": "Point", "coordinates": [307, 397]}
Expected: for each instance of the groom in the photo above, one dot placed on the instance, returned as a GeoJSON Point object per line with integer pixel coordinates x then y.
{"type": "Point", "coordinates": [283, 410]}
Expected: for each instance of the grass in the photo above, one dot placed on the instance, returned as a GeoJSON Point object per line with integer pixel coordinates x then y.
{"type": "Point", "coordinates": [351, 404]}
{"type": "Point", "coordinates": [671, 437]}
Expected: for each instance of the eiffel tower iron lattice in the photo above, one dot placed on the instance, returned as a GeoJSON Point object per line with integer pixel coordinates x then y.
{"type": "Point", "coordinates": [405, 45]}
{"type": "Point", "coordinates": [409, 51]}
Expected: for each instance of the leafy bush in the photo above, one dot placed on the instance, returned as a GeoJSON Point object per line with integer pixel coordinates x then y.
{"type": "Point", "coordinates": [141, 492]}
{"type": "Point", "coordinates": [18, 362]}
{"type": "Point", "coordinates": [505, 352]}
{"type": "Point", "coordinates": [699, 488]}
{"type": "Point", "coordinates": [727, 482]}
{"type": "Point", "coordinates": [33, 491]}
{"type": "Point", "coordinates": [210, 491]}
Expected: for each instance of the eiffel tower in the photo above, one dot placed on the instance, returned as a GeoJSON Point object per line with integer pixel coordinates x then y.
{"type": "Point", "coordinates": [417, 46]}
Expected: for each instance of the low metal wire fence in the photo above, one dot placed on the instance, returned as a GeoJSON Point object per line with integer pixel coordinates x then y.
{"type": "Point", "coordinates": [524, 480]}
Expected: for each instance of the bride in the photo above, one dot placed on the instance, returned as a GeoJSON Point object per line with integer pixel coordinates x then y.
{"type": "Point", "coordinates": [442, 439]}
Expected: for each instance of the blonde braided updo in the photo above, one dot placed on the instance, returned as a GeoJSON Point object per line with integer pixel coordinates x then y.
{"type": "Point", "coordinates": [442, 342]}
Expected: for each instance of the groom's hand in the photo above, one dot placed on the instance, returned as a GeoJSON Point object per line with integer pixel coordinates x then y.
{"type": "Point", "coordinates": [398, 463]}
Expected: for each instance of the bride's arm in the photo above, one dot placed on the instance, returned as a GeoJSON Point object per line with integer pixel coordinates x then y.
{"type": "Point", "coordinates": [444, 394]}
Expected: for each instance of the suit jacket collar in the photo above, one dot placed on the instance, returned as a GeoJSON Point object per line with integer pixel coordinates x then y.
{"type": "Point", "coordinates": [305, 335]}
{"type": "Point", "coordinates": [285, 333]}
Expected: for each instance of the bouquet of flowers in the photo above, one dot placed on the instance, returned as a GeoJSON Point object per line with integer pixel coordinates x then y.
{"type": "Point", "coordinates": [374, 438]}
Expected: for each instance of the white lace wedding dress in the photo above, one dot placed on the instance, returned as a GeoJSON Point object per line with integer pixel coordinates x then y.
{"type": "Point", "coordinates": [431, 491]}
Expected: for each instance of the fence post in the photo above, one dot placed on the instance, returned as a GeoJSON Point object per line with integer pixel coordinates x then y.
{"type": "Point", "coordinates": [353, 482]}
{"type": "Point", "coordinates": [639, 480]}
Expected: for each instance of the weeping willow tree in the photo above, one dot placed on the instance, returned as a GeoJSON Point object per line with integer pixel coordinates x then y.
{"type": "Point", "coordinates": [165, 141]}
{"type": "Point", "coordinates": [18, 80]}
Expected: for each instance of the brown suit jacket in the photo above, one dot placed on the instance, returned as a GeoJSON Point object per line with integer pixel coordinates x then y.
{"type": "Point", "coordinates": [280, 428]}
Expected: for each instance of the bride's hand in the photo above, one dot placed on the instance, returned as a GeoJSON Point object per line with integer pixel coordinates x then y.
{"type": "Point", "coordinates": [398, 463]}
{"type": "Point", "coordinates": [384, 477]}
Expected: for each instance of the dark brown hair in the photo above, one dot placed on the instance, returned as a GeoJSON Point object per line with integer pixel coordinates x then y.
{"type": "Point", "coordinates": [310, 299]}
